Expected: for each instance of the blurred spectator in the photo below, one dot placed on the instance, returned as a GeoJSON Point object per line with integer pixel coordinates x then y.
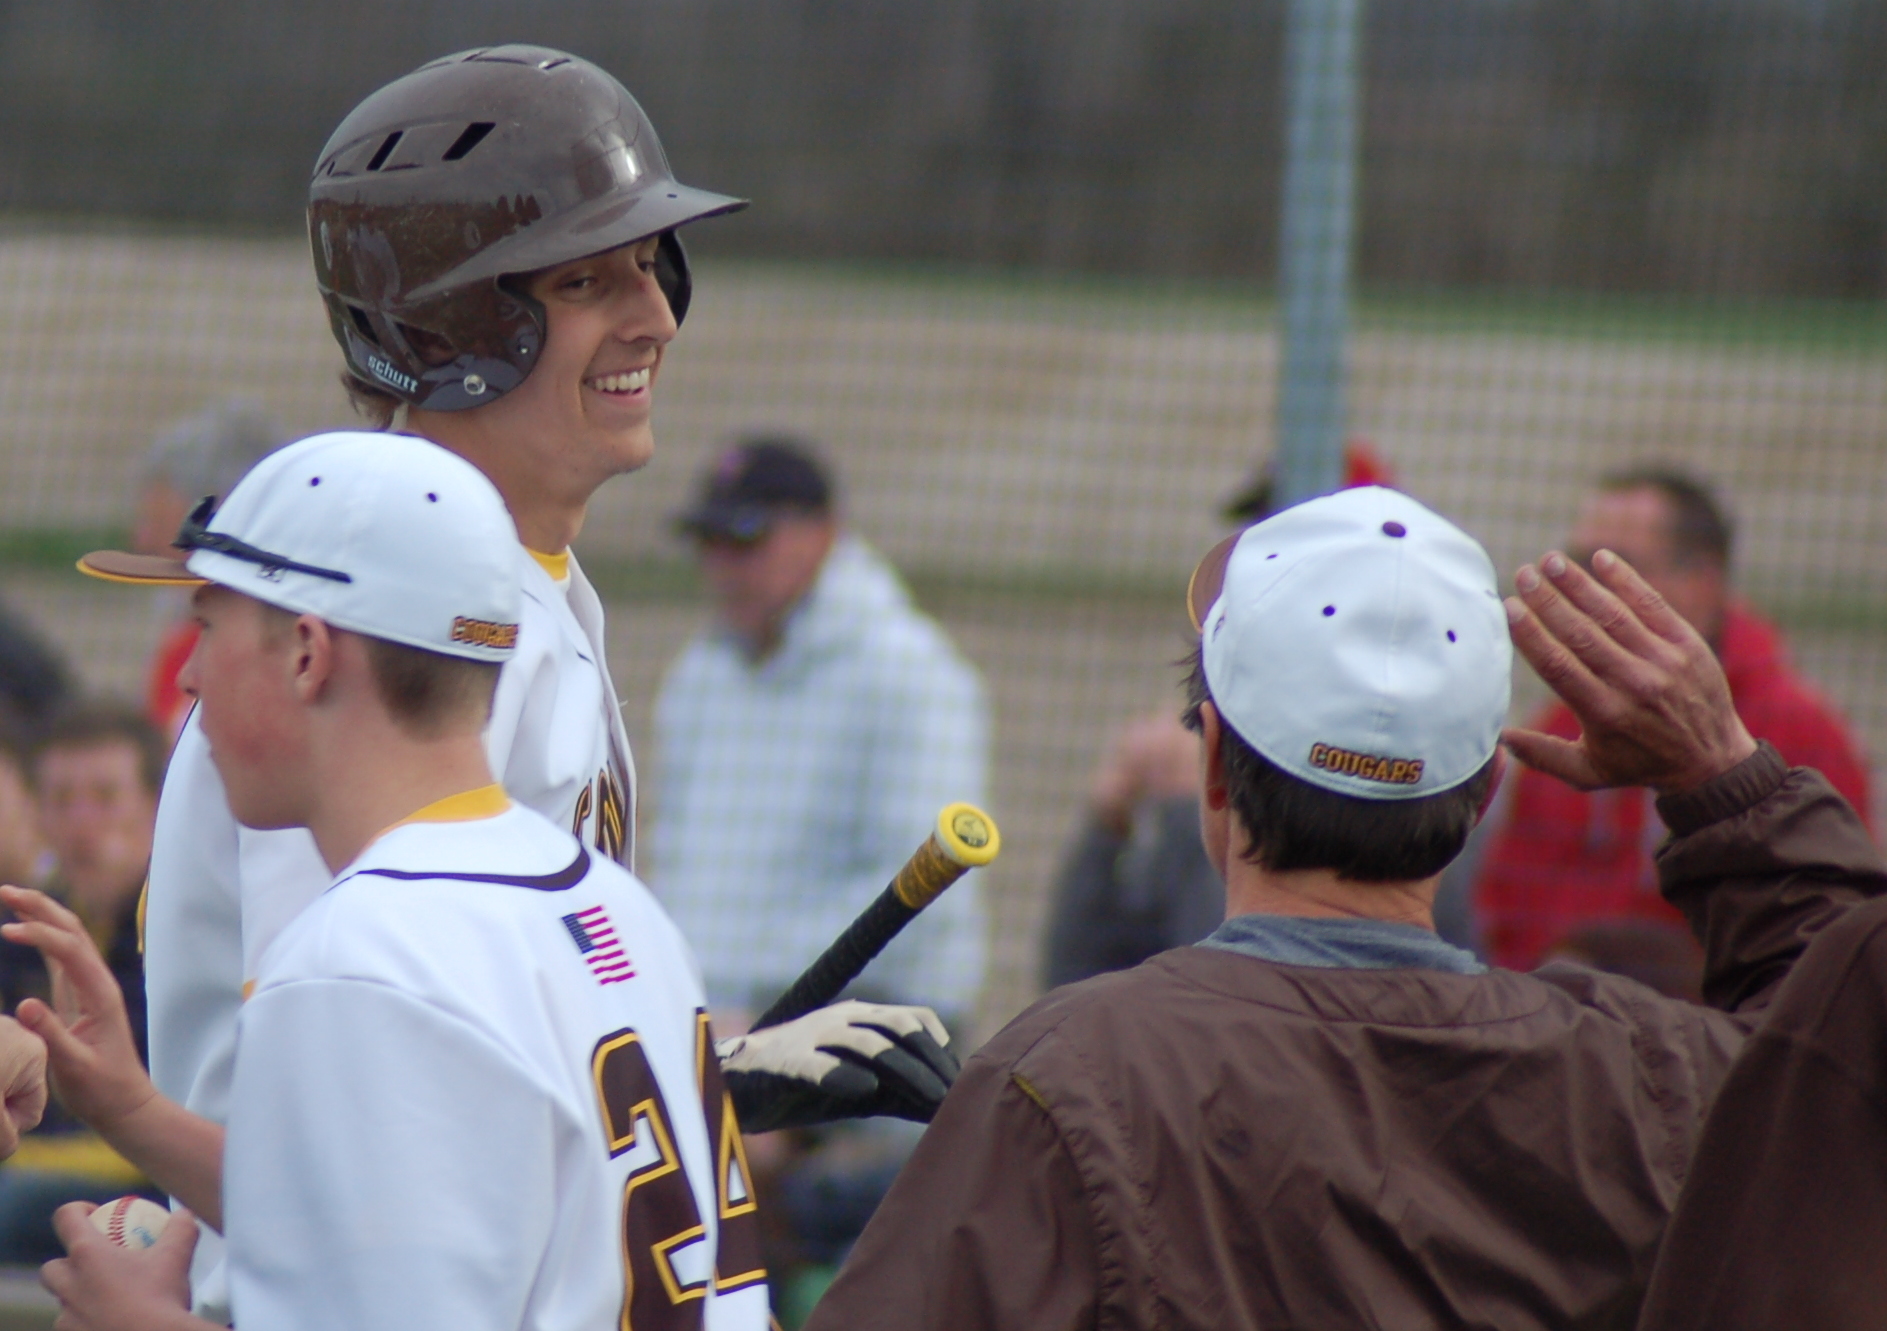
{"type": "Point", "coordinates": [205, 454]}
{"type": "Point", "coordinates": [34, 682]}
{"type": "Point", "coordinates": [25, 860]}
{"type": "Point", "coordinates": [96, 776]}
{"type": "Point", "coordinates": [1555, 860]}
{"type": "Point", "coordinates": [1659, 957]}
{"type": "Point", "coordinates": [1136, 881]}
{"type": "Point", "coordinates": [807, 741]}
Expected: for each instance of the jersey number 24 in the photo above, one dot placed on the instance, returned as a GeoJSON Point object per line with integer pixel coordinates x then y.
{"type": "Point", "coordinates": [668, 1260]}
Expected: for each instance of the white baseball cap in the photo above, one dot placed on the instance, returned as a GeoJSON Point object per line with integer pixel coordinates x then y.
{"type": "Point", "coordinates": [383, 534]}
{"type": "Point", "coordinates": [1358, 642]}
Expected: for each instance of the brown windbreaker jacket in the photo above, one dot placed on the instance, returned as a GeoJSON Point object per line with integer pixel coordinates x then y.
{"type": "Point", "coordinates": [1783, 1220]}
{"type": "Point", "coordinates": [1216, 1141]}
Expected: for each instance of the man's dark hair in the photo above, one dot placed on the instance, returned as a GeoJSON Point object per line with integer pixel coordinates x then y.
{"type": "Point", "coordinates": [428, 692]}
{"type": "Point", "coordinates": [89, 725]}
{"type": "Point", "coordinates": [1700, 530]}
{"type": "Point", "coordinates": [370, 401]}
{"type": "Point", "coordinates": [1295, 825]}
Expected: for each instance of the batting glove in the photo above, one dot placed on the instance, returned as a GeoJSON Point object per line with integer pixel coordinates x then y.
{"type": "Point", "coordinates": [849, 1060]}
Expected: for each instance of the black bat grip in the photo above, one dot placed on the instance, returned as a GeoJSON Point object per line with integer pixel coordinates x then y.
{"type": "Point", "coordinates": [840, 964]}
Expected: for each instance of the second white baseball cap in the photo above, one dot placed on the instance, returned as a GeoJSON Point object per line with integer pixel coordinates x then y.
{"type": "Point", "coordinates": [1358, 642]}
{"type": "Point", "coordinates": [383, 534]}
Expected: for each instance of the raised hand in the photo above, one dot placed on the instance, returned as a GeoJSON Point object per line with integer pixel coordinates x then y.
{"type": "Point", "coordinates": [1650, 695]}
{"type": "Point", "coordinates": [92, 1055]}
{"type": "Point", "coordinates": [1154, 757]}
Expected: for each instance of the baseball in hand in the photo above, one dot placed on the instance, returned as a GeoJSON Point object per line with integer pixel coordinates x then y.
{"type": "Point", "coordinates": [131, 1222]}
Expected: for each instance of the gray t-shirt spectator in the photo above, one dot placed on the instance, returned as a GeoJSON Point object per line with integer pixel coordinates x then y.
{"type": "Point", "coordinates": [1123, 898]}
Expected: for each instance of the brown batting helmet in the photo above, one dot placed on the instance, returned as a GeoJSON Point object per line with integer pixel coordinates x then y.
{"type": "Point", "coordinates": [468, 171]}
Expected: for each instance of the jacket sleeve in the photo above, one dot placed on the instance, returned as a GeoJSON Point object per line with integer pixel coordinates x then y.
{"type": "Point", "coordinates": [986, 1229]}
{"type": "Point", "coordinates": [1782, 1216]}
{"type": "Point", "coordinates": [1759, 861]}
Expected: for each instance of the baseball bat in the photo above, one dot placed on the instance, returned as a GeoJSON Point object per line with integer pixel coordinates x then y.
{"type": "Point", "coordinates": [965, 839]}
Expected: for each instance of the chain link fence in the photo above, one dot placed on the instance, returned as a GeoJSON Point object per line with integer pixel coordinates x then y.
{"type": "Point", "coordinates": [1009, 265]}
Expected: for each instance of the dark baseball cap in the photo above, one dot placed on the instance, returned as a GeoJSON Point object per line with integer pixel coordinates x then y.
{"type": "Point", "coordinates": [1258, 498]}
{"type": "Point", "coordinates": [750, 485]}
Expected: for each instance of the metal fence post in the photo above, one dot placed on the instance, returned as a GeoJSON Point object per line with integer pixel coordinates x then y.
{"type": "Point", "coordinates": [1324, 85]}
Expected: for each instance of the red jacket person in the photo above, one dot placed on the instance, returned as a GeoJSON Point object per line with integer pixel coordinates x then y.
{"type": "Point", "coordinates": [1325, 1116]}
{"type": "Point", "coordinates": [1563, 859]}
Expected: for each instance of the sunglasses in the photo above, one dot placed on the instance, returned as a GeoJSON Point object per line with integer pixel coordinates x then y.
{"type": "Point", "coordinates": [195, 534]}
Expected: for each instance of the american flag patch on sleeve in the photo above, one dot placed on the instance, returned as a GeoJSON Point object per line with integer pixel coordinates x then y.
{"type": "Point", "coordinates": [595, 938]}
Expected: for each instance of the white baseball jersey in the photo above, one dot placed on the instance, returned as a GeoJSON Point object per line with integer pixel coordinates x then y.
{"type": "Point", "coordinates": [220, 893]}
{"type": "Point", "coordinates": [476, 1090]}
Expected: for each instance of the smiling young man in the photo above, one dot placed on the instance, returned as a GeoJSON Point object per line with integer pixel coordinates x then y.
{"type": "Point", "coordinates": [494, 238]}
{"type": "Point", "coordinates": [474, 1085]}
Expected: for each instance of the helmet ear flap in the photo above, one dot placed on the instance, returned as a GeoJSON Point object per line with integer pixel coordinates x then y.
{"type": "Point", "coordinates": [671, 274]}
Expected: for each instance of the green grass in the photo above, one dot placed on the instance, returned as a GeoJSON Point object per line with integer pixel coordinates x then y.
{"type": "Point", "coordinates": [23, 1302]}
{"type": "Point", "coordinates": [1852, 612]}
{"type": "Point", "coordinates": [644, 581]}
{"type": "Point", "coordinates": [42, 549]}
{"type": "Point", "coordinates": [674, 580]}
{"type": "Point", "coordinates": [1844, 327]}
{"type": "Point", "coordinates": [1829, 326]}
{"type": "Point", "coordinates": [1841, 327]}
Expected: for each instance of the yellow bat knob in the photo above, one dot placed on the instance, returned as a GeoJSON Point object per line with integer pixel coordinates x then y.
{"type": "Point", "coordinates": [968, 835]}
{"type": "Point", "coordinates": [965, 839]}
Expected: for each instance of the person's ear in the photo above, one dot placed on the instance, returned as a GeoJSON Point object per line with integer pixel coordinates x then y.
{"type": "Point", "coordinates": [314, 657]}
{"type": "Point", "coordinates": [187, 672]}
{"type": "Point", "coordinates": [1493, 787]}
{"type": "Point", "coordinates": [1211, 759]}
